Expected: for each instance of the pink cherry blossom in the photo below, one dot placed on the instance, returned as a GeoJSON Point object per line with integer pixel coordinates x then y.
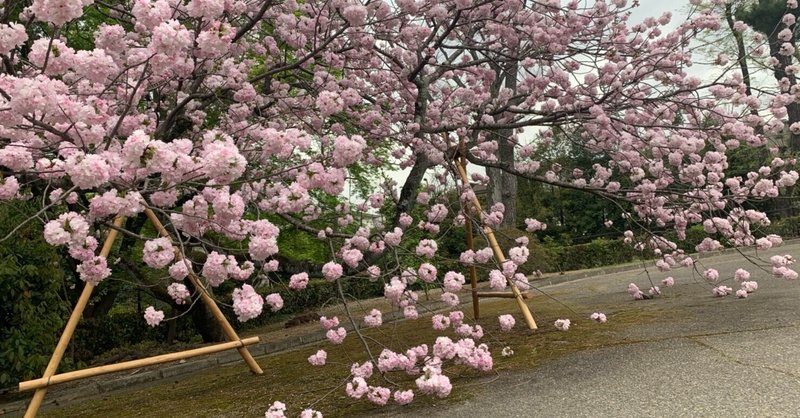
{"type": "Point", "coordinates": [410, 312]}
{"type": "Point", "coordinates": [276, 410]}
{"type": "Point", "coordinates": [506, 322]}
{"type": "Point", "coordinates": [179, 293]}
{"type": "Point", "coordinates": [11, 35]}
{"type": "Point", "coordinates": [534, 225]}
{"type": "Point", "coordinates": [427, 272]}
{"type": "Point", "coordinates": [332, 271]}
{"type": "Point", "coordinates": [352, 257]}
{"type": "Point", "coordinates": [598, 317]}
{"type": "Point", "coordinates": [179, 270]}
{"type": "Point", "coordinates": [298, 281]}
{"type": "Point", "coordinates": [68, 228]}
{"type": "Point", "coordinates": [357, 388]}
{"type": "Point", "coordinates": [750, 286]}
{"type": "Point", "coordinates": [355, 14]}
{"type": "Point", "coordinates": [8, 188]}
{"type": "Point", "coordinates": [319, 358]}
{"type": "Point", "coordinates": [328, 323]}
{"type": "Point", "coordinates": [88, 171]}
{"type": "Point", "coordinates": [374, 319]}
{"type": "Point", "coordinates": [336, 336]}
{"type": "Point", "coordinates": [235, 135]}
{"type": "Point", "coordinates": [247, 304]}
{"type": "Point", "coordinates": [379, 395]}
{"type": "Point", "coordinates": [310, 413]}
{"type": "Point", "coordinates": [456, 318]}
{"type": "Point", "coordinates": [440, 322]}
{"type": "Point", "coordinates": [363, 371]}
{"type": "Point", "coordinates": [405, 220]}
{"type": "Point", "coordinates": [84, 251]}
{"type": "Point", "coordinates": [158, 253]}
{"type": "Point", "coordinates": [275, 301]}
{"type": "Point", "coordinates": [374, 272]}
{"type": "Point", "coordinates": [403, 397]}
{"type": "Point", "coordinates": [94, 270]}
{"type": "Point", "coordinates": [58, 12]}
{"type": "Point", "coordinates": [152, 316]}
{"type": "Point", "coordinates": [426, 248]}
{"type": "Point", "coordinates": [721, 291]}
{"type": "Point", "coordinates": [497, 280]}
{"type": "Point", "coordinates": [449, 299]}
{"type": "Point", "coordinates": [635, 292]}
{"type": "Point", "coordinates": [742, 275]}
{"type": "Point", "coordinates": [215, 268]}
{"type": "Point", "coordinates": [432, 382]}
{"type": "Point", "coordinates": [712, 275]}
{"type": "Point", "coordinates": [562, 324]}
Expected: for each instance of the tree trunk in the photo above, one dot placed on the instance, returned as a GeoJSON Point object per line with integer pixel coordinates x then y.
{"type": "Point", "coordinates": [503, 185]}
{"type": "Point", "coordinates": [103, 305]}
{"type": "Point", "coordinates": [783, 207]}
{"type": "Point", "coordinates": [793, 109]}
{"type": "Point", "coordinates": [206, 324]}
{"type": "Point", "coordinates": [172, 326]}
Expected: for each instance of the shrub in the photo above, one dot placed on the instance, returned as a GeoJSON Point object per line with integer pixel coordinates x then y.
{"type": "Point", "coordinates": [788, 227]}
{"type": "Point", "coordinates": [31, 310]}
{"type": "Point", "coordinates": [600, 252]}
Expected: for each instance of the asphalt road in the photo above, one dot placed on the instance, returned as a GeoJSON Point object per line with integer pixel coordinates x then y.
{"type": "Point", "coordinates": [709, 357]}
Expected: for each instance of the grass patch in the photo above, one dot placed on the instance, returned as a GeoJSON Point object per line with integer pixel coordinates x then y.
{"type": "Point", "coordinates": [231, 391]}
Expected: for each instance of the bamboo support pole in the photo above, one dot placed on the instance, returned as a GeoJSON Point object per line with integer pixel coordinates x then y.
{"type": "Point", "coordinates": [498, 254]}
{"type": "Point", "coordinates": [473, 275]}
{"type": "Point", "coordinates": [209, 301]}
{"type": "Point", "coordinates": [133, 364]}
{"type": "Point", "coordinates": [507, 295]}
{"type": "Point", "coordinates": [69, 330]}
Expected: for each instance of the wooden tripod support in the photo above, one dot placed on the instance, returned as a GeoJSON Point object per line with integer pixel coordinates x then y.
{"type": "Point", "coordinates": [461, 167]}
{"type": "Point", "coordinates": [51, 378]}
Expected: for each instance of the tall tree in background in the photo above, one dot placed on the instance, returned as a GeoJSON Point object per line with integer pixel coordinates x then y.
{"type": "Point", "coordinates": [502, 187]}
{"type": "Point", "coordinates": [770, 18]}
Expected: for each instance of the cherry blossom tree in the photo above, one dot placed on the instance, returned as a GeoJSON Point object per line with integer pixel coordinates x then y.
{"type": "Point", "coordinates": [235, 119]}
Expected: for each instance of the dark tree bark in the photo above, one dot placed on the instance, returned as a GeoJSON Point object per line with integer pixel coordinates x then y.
{"type": "Point", "coordinates": [503, 185]}
{"type": "Point", "coordinates": [793, 108]}
{"type": "Point", "coordinates": [765, 16]}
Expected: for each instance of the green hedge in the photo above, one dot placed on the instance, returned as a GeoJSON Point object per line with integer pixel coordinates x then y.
{"type": "Point", "coordinates": [600, 252]}
{"type": "Point", "coordinates": [787, 227]}
{"type": "Point", "coordinates": [551, 257]}
{"type": "Point", "coordinates": [31, 309]}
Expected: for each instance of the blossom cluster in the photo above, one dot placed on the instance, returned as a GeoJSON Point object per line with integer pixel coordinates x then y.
{"type": "Point", "coordinates": [247, 303]}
